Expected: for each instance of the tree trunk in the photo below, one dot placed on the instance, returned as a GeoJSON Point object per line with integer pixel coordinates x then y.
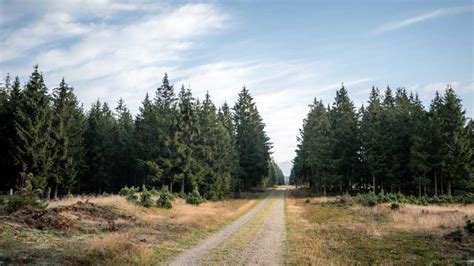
{"type": "Point", "coordinates": [171, 186]}
{"type": "Point", "coordinates": [441, 184]}
{"type": "Point", "coordinates": [56, 192]}
{"type": "Point", "coordinates": [436, 183]}
{"type": "Point", "coordinates": [419, 188]}
{"type": "Point", "coordinates": [373, 182]}
{"type": "Point", "coordinates": [448, 188]}
{"type": "Point", "coordinates": [424, 183]}
{"type": "Point", "coordinates": [182, 186]}
{"type": "Point", "coordinates": [324, 191]}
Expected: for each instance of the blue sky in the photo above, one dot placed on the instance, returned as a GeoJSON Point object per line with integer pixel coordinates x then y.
{"type": "Point", "coordinates": [285, 52]}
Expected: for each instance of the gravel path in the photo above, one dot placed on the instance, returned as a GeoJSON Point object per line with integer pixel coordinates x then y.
{"type": "Point", "coordinates": [266, 247]}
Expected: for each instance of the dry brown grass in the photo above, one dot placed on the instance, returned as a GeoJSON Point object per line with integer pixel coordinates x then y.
{"type": "Point", "coordinates": [326, 234]}
{"type": "Point", "coordinates": [433, 218]}
{"type": "Point", "coordinates": [152, 234]}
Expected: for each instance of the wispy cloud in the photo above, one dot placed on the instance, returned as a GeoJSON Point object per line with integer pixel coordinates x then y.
{"type": "Point", "coordinates": [395, 25]}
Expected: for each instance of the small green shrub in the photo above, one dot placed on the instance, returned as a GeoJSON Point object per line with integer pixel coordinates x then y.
{"type": "Point", "coordinates": [105, 194]}
{"type": "Point", "coordinates": [164, 201]}
{"type": "Point", "coordinates": [154, 192]}
{"type": "Point", "coordinates": [23, 199]}
{"type": "Point", "coordinates": [395, 206]}
{"type": "Point", "coordinates": [145, 198]}
{"type": "Point", "coordinates": [132, 196]}
{"type": "Point", "coordinates": [69, 195]}
{"type": "Point", "coordinates": [125, 191]}
{"type": "Point", "coordinates": [345, 199]}
{"type": "Point", "coordinates": [307, 201]}
{"type": "Point", "coordinates": [469, 227]}
{"type": "Point", "coordinates": [456, 235]}
{"type": "Point", "coordinates": [195, 198]}
{"type": "Point", "coordinates": [466, 198]}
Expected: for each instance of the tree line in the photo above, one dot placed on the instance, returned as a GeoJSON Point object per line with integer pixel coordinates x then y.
{"type": "Point", "coordinates": [393, 144]}
{"type": "Point", "coordinates": [175, 140]}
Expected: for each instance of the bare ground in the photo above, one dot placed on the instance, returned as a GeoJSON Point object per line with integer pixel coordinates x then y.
{"type": "Point", "coordinates": [257, 238]}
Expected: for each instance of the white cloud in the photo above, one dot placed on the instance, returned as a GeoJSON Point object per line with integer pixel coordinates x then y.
{"type": "Point", "coordinates": [51, 28]}
{"type": "Point", "coordinates": [108, 61]}
{"type": "Point", "coordinates": [420, 18]}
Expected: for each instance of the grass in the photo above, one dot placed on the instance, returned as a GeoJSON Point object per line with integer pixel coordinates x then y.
{"type": "Point", "coordinates": [150, 236]}
{"type": "Point", "coordinates": [322, 234]}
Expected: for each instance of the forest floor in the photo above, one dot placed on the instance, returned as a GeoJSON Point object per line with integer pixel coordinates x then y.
{"type": "Point", "coordinates": [280, 226]}
{"type": "Point", "coordinates": [323, 233]}
{"type": "Point", "coordinates": [111, 230]}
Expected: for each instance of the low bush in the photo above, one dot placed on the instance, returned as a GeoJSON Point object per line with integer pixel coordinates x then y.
{"type": "Point", "coordinates": [26, 198]}
{"type": "Point", "coordinates": [69, 195]}
{"type": "Point", "coordinates": [132, 196]}
{"type": "Point", "coordinates": [195, 198]}
{"type": "Point", "coordinates": [469, 227]}
{"type": "Point", "coordinates": [456, 235]}
{"type": "Point", "coordinates": [125, 191]}
{"type": "Point", "coordinates": [395, 206]}
{"type": "Point", "coordinates": [154, 191]}
{"type": "Point", "coordinates": [345, 199]}
{"type": "Point", "coordinates": [145, 198]}
{"type": "Point", "coordinates": [372, 199]}
{"type": "Point", "coordinates": [164, 201]}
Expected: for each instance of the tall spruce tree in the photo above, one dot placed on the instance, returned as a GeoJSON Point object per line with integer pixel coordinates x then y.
{"type": "Point", "coordinates": [372, 138]}
{"type": "Point", "coordinates": [419, 138]}
{"type": "Point", "coordinates": [68, 132]}
{"type": "Point", "coordinates": [124, 147]}
{"type": "Point", "coordinates": [252, 143]}
{"type": "Point", "coordinates": [99, 140]}
{"type": "Point", "coordinates": [344, 121]}
{"type": "Point", "coordinates": [35, 148]}
{"type": "Point", "coordinates": [455, 146]}
{"type": "Point", "coordinates": [186, 167]}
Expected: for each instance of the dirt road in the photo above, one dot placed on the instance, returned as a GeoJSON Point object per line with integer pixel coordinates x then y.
{"type": "Point", "coordinates": [256, 238]}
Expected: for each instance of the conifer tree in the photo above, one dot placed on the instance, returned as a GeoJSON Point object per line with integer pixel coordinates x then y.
{"type": "Point", "coordinates": [419, 137]}
{"type": "Point", "coordinates": [68, 132]}
{"type": "Point", "coordinates": [124, 151]}
{"type": "Point", "coordinates": [435, 140]}
{"type": "Point", "coordinates": [372, 137]}
{"type": "Point", "coordinates": [185, 164]}
{"type": "Point", "coordinates": [252, 143]}
{"type": "Point", "coordinates": [456, 148]}
{"type": "Point", "coordinates": [343, 119]}
{"type": "Point", "coordinates": [35, 148]}
{"type": "Point", "coordinates": [99, 140]}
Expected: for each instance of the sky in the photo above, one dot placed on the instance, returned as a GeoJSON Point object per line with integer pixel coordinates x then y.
{"type": "Point", "coordinates": [285, 52]}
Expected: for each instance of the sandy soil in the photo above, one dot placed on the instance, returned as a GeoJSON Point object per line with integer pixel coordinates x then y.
{"type": "Point", "coordinates": [266, 246]}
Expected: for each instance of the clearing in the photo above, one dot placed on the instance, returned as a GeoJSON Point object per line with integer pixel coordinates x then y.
{"type": "Point", "coordinates": [111, 230]}
{"type": "Point", "coordinates": [322, 232]}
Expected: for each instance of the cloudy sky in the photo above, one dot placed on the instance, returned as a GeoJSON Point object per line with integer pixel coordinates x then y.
{"type": "Point", "coordinates": [285, 52]}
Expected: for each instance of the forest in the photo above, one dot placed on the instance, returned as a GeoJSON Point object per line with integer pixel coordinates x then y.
{"type": "Point", "coordinates": [392, 144]}
{"type": "Point", "coordinates": [175, 141]}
